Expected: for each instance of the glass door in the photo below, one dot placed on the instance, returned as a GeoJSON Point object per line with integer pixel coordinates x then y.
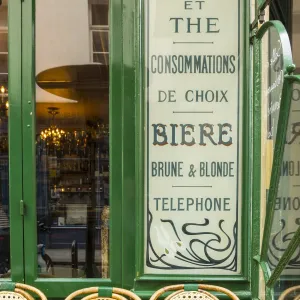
{"type": "Point", "coordinates": [68, 140]}
{"type": "Point", "coordinates": [11, 219]}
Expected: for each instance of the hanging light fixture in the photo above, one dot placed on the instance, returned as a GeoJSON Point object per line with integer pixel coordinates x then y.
{"type": "Point", "coordinates": [53, 136]}
{"type": "Point", "coordinates": [4, 102]}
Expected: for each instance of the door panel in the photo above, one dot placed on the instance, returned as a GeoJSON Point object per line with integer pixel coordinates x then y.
{"type": "Point", "coordinates": [68, 140]}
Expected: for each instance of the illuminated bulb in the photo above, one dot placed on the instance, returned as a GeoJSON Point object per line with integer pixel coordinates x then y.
{"type": "Point", "coordinates": [2, 89]}
{"type": "Point", "coordinates": [7, 104]}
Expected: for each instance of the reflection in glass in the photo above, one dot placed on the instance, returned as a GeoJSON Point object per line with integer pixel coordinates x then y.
{"type": "Point", "coordinates": [287, 205]}
{"type": "Point", "coordinates": [271, 93]}
{"type": "Point", "coordinates": [4, 193]}
{"type": "Point", "coordinates": [286, 219]}
{"type": "Point", "coordinates": [99, 31]}
{"type": "Point", "coordinates": [72, 138]}
{"type": "Point", "coordinates": [272, 83]}
{"type": "Point", "coordinates": [295, 33]}
{"type": "Point", "coordinates": [288, 284]}
{"type": "Point", "coordinates": [99, 10]}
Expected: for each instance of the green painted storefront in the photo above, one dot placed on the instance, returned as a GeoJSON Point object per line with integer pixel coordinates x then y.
{"type": "Point", "coordinates": [119, 240]}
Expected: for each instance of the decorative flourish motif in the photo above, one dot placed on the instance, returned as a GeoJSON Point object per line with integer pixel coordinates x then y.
{"type": "Point", "coordinates": [279, 244]}
{"type": "Point", "coordinates": [192, 246]}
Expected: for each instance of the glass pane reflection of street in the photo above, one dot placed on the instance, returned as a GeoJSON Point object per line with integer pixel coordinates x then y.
{"type": "Point", "coordinates": [72, 138]}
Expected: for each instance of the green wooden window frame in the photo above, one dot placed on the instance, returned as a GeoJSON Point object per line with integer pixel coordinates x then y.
{"type": "Point", "coordinates": [61, 287]}
{"type": "Point", "coordinates": [145, 285]}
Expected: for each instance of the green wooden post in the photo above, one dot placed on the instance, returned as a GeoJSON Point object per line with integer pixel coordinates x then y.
{"type": "Point", "coordinates": [130, 87]}
{"type": "Point", "coordinates": [15, 140]}
{"type": "Point", "coordinates": [256, 166]}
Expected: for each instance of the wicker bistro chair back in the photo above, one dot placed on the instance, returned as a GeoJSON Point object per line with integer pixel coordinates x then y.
{"type": "Point", "coordinates": [19, 291]}
{"type": "Point", "coordinates": [103, 293]}
{"type": "Point", "coordinates": [291, 293]}
{"type": "Point", "coordinates": [192, 292]}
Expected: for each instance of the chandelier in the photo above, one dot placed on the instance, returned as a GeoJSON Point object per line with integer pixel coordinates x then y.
{"type": "Point", "coordinates": [53, 136]}
{"type": "Point", "coordinates": [3, 102]}
{"type": "Point", "coordinates": [59, 142]}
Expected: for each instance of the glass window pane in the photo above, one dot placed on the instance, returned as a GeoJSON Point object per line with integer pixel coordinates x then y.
{"type": "Point", "coordinates": [4, 193]}
{"type": "Point", "coordinates": [3, 63]}
{"type": "Point", "coordinates": [101, 58]}
{"type": "Point", "coordinates": [296, 34]}
{"type": "Point", "coordinates": [288, 284]}
{"type": "Point", "coordinates": [100, 41]}
{"type": "Point", "coordinates": [99, 14]}
{"type": "Point", "coordinates": [72, 149]}
{"type": "Point", "coordinates": [3, 42]}
{"type": "Point", "coordinates": [3, 15]}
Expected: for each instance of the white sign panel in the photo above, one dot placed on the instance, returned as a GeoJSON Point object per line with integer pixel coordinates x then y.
{"type": "Point", "coordinates": [193, 124]}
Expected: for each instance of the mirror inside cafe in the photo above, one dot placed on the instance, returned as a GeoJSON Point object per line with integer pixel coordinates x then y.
{"type": "Point", "coordinates": [72, 140]}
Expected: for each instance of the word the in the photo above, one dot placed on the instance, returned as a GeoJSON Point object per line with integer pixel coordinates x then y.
{"type": "Point", "coordinates": [207, 25]}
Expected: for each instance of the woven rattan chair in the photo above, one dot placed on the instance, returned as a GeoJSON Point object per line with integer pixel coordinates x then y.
{"type": "Point", "coordinates": [192, 292]}
{"type": "Point", "coordinates": [291, 293]}
{"type": "Point", "coordinates": [19, 291]}
{"type": "Point", "coordinates": [103, 293]}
